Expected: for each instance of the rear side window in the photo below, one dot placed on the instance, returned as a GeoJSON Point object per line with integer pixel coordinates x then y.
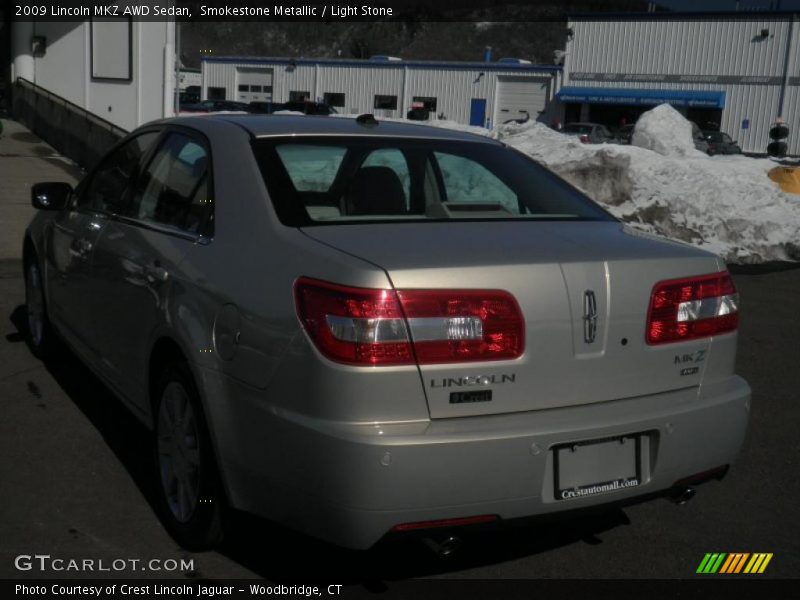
{"type": "Point", "coordinates": [174, 189]}
{"type": "Point", "coordinates": [311, 168]}
{"type": "Point", "coordinates": [468, 181]}
{"type": "Point", "coordinates": [106, 189]}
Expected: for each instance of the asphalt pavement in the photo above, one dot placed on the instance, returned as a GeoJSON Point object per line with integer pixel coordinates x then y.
{"type": "Point", "coordinates": [77, 480]}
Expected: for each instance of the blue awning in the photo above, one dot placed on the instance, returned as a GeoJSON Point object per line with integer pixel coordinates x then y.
{"type": "Point", "coordinates": [598, 95]}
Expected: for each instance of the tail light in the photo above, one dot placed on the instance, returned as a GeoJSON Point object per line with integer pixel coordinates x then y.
{"type": "Point", "coordinates": [690, 308]}
{"type": "Point", "coordinates": [387, 327]}
{"type": "Point", "coordinates": [584, 139]}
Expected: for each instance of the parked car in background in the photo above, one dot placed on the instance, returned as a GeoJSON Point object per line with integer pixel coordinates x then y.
{"type": "Point", "coordinates": [361, 328]}
{"type": "Point", "coordinates": [307, 108]}
{"type": "Point", "coordinates": [589, 133]}
{"type": "Point", "coordinates": [262, 107]}
{"type": "Point", "coordinates": [216, 106]}
{"type": "Point", "coordinates": [624, 134]}
{"type": "Point", "coordinates": [187, 98]}
{"type": "Point", "coordinates": [699, 139]}
{"type": "Point", "coordinates": [720, 142]}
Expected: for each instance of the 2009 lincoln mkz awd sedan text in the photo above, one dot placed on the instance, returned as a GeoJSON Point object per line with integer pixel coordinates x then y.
{"type": "Point", "coordinates": [355, 327]}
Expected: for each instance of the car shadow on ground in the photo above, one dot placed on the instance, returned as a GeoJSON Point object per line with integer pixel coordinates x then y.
{"type": "Point", "coordinates": [282, 555]}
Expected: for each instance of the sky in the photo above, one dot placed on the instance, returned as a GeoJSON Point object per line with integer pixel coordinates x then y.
{"type": "Point", "coordinates": [703, 5]}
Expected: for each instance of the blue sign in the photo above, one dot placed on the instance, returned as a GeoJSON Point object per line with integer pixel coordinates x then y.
{"type": "Point", "coordinates": [746, 124]}
{"type": "Point", "coordinates": [640, 97]}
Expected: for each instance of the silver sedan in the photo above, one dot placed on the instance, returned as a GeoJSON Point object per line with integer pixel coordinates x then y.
{"type": "Point", "coordinates": [361, 328]}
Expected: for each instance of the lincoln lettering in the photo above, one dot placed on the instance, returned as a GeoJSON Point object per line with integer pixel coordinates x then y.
{"type": "Point", "coordinates": [473, 380]}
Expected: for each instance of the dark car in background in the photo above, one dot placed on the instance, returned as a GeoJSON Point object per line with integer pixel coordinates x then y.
{"type": "Point", "coordinates": [263, 107]}
{"type": "Point", "coordinates": [625, 133]}
{"type": "Point", "coordinates": [307, 108]}
{"type": "Point", "coordinates": [216, 106]}
{"type": "Point", "coordinates": [720, 142]}
{"type": "Point", "coordinates": [589, 133]}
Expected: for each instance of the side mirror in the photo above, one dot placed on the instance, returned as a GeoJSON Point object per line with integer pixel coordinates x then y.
{"type": "Point", "coordinates": [52, 195]}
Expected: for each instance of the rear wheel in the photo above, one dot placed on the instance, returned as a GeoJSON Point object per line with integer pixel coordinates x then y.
{"type": "Point", "coordinates": [191, 498]}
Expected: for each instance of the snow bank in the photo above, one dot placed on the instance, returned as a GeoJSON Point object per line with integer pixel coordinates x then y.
{"type": "Point", "coordinates": [724, 204]}
{"type": "Point", "coordinates": [665, 130]}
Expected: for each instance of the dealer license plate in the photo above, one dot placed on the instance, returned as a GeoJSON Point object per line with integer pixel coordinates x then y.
{"type": "Point", "coordinates": [596, 467]}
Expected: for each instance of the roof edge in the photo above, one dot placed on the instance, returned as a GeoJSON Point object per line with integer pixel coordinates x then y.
{"type": "Point", "coordinates": [686, 15]}
{"type": "Point", "coordinates": [366, 63]}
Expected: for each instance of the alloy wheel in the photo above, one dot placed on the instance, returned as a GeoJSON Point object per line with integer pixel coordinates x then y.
{"type": "Point", "coordinates": [34, 300]}
{"type": "Point", "coordinates": [178, 452]}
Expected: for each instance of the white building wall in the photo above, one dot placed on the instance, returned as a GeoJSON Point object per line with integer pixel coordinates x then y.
{"type": "Point", "coordinates": [453, 88]}
{"type": "Point", "coordinates": [65, 70]}
{"type": "Point", "coordinates": [623, 53]}
{"type": "Point", "coordinates": [360, 85]}
{"type": "Point", "coordinates": [286, 78]}
{"type": "Point", "coordinates": [688, 47]}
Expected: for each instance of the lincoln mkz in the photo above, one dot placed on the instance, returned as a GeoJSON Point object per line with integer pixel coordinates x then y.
{"type": "Point", "coordinates": [359, 328]}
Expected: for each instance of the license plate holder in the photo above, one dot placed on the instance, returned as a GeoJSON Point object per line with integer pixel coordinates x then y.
{"type": "Point", "coordinates": [599, 466]}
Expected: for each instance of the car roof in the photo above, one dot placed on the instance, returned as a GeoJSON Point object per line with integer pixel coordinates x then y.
{"type": "Point", "coordinates": [261, 125]}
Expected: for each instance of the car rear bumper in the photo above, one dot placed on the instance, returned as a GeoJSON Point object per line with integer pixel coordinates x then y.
{"type": "Point", "coordinates": [350, 484]}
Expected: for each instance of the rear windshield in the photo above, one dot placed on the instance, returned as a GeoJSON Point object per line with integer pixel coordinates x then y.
{"type": "Point", "coordinates": [327, 181]}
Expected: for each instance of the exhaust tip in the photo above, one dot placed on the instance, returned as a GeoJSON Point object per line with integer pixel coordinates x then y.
{"type": "Point", "coordinates": [683, 495]}
{"type": "Point", "coordinates": [444, 547]}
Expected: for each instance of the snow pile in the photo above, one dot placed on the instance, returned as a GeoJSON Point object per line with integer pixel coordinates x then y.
{"type": "Point", "coordinates": [665, 130]}
{"type": "Point", "coordinates": [725, 204]}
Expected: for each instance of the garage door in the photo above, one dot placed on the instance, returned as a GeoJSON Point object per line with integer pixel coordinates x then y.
{"type": "Point", "coordinates": [519, 97]}
{"type": "Point", "coordinates": [253, 84]}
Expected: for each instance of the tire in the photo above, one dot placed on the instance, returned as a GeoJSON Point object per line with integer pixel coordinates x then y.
{"type": "Point", "coordinates": [191, 500]}
{"type": "Point", "coordinates": [40, 335]}
{"type": "Point", "coordinates": [777, 149]}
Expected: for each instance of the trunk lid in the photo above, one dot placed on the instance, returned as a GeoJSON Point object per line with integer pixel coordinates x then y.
{"type": "Point", "coordinates": [560, 274]}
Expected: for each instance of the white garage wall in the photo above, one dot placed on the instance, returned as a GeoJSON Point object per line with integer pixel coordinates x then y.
{"type": "Point", "coordinates": [721, 48]}
{"type": "Point", "coordinates": [65, 70]}
{"type": "Point", "coordinates": [453, 85]}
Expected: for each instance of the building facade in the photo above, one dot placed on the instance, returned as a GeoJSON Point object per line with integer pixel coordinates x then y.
{"type": "Point", "coordinates": [735, 71]}
{"type": "Point", "coordinates": [120, 70]}
{"type": "Point", "coordinates": [480, 93]}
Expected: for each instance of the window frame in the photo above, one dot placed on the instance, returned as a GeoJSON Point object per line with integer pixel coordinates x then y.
{"type": "Point", "coordinates": [74, 202]}
{"type": "Point", "coordinates": [205, 234]}
{"type": "Point", "coordinates": [425, 101]}
{"type": "Point", "coordinates": [327, 95]}
{"type": "Point", "coordinates": [216, 88]}
{"type": "Point", "coordinates": [299, 96]}
{"type": "Point", "coordinates": [375, 101]}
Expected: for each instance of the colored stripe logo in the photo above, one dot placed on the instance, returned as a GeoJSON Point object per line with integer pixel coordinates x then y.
{"type": "Point", "coordinates": [734, 563]}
